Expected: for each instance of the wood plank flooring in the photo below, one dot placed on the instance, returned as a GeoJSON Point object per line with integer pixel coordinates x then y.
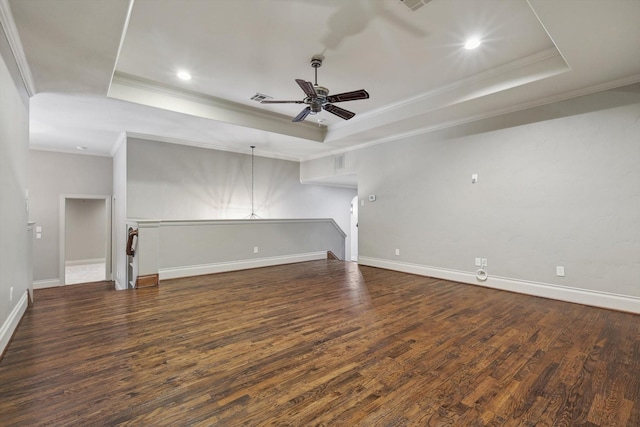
{"type": "Point", "coordinates": [320, 343]}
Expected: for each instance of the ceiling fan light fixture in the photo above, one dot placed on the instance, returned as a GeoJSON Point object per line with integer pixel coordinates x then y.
{"type": "Point", "coordinates": [472, 43]}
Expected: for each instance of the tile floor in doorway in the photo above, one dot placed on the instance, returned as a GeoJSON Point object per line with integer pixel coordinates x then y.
{"type": "Point", "coordinates": [84, 273]}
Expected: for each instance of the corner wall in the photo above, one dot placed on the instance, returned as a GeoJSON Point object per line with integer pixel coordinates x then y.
{"type": "Point", "coordinates": [558, 185]}
{"type": "Point", "coordinates": [15, 259]}
{"type": "Point", "coordinates": [53, 175]}
{"type": "Point", "coordinates": [119, 209]}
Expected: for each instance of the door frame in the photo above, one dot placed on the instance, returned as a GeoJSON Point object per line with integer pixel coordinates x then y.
{"type": "Point", "coordinates": [353, 232]}
{"type": "Point", "coordinates": [62, 230]}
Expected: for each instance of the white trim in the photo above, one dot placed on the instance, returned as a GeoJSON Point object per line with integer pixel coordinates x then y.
{"type": "Point", "coordinates": [119, 286]}
{"type": "Point", "coordinates": [77, 262]}
{"type": "Point", "coordinates": [10, 325]}
{"type": "Point", "coordinates": [122, 138]}
{"type": "Point", "coordinates": [210, 146]}
{"type": "Point", "coordinates": [221, 267]}
{"type": "Point", "coordinates": [489, 75]}
{"type": "Point", "coordinates": [13, 37]}
{"type": "Point", "coordinates": [140, 83]}
{"type": "Point", "coordinates": [593, 298]}
{"type": "Point", "coordinates": [125, 28]}
{"type": "Point", "coordinates": [68, 151]}
{"type": "Point", "coordinates": [130, 88]}
{"type": "Point", "coordinates": [155, 223]}
{"type": "Point", "coordinates": [523, 106]}
{"type": "Point", "coordinates": [48, 283]}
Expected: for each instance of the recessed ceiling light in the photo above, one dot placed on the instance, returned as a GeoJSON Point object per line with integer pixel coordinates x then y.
{"type": "Point", "coordinates": [183, 75]}
{"type": "Point", "coordinates": [81, 148]}
{"type": "Point", "coordinates": [472, 43]}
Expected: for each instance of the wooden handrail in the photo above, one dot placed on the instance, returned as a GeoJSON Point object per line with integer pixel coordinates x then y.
{"type": "Point", "coordinates": [132, 233]}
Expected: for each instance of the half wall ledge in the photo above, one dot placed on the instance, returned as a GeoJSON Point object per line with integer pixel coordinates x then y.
{"type": "Point", "coordinates": [169, 249]}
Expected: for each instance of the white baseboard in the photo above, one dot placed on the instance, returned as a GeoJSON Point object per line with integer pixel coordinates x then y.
{"type": "Point", "coordinates": [612, 301]}
{"type": "Point", "coordinates": [10, 325]}
{"type": "Point", "coordinates": [120, 286]}
{"type": "Point", "coordinates": [84, 262]}
{"type": "Point", "coordinates": [197, 270]}
{"type": "Point", "coordinates": [49, 283]}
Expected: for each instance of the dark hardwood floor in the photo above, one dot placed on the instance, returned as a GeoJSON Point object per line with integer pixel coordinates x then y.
{"type": "Point", "coordinates": [318, 343]}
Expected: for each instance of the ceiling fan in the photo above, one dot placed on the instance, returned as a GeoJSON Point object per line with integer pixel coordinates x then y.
{"type": "Point", "coordinates": [318, 98]}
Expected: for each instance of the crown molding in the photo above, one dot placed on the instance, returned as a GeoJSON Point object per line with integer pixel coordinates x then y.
{"type": "Point", "coordinates": [68, 151]}
{"type": "Point", "coordinates": [135, 89]}
{"type": "Point", "coordinates": [589, 90]}
{"type": "Point", "coordinates": [13, 37]}
{"type": "Point", "coordinates": [463, 89]}
{"type": "Point", "coordinates": [208, 146]}
{"type": "Point", "coordinates": [125, 28]}
{"type": "Point", "coordinates": [122, 138]}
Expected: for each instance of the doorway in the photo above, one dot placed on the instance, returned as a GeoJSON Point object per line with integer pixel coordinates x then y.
{"type": "Point", "coordinates": [85, 239]}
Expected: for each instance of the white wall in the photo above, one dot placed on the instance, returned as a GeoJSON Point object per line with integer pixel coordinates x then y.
{"type": "Point", "coordinates": [168, 181]}
{"type": "Point", "coordinates": [86, 222]}
{"type": "Point", "coordinates": [14, 143]}
{"type": "Point", "coordinates": [53, 175]}
{"type": "Point", "coordinates": [558, 186]}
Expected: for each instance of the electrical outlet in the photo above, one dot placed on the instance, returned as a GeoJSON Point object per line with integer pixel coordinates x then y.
{"type": "Point", "coordinates": [397, 252]}
{"type": "Point", "coordinates": [478, 262]}
{"type": "Point", "coordinates": [11, 294]}
{"type": "Point", "coordinates": [560, 271]}
{"type": "Point", "coordinates": [255, 249]}
{"type": "Point", "coordinates": [484, 262]}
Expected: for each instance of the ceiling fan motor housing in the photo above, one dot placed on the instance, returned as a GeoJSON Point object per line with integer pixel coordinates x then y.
{"type": "Point", "coordinates": [316, 61]}
{"type": "Point", "coordinates": [319, 100]}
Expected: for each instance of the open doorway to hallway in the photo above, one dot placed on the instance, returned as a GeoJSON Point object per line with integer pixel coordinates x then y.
{"type": "Point", "coordinates": [86, 240]}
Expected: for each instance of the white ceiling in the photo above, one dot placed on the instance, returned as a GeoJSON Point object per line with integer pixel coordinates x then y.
{"type": "Point", "coordinates": [97, 69]}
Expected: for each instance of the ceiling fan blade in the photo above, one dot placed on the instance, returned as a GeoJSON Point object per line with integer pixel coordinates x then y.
{"type": "Point", "coordinates": [303, 114]}
{"type": "Point", "coordinates": [271, 101]}
{"type": "Point", "coordinates": [340, 112]}
{"type": "Point", "coordinates": [349, 96]}
{"type": "Point", "coordinates": [307, 87]}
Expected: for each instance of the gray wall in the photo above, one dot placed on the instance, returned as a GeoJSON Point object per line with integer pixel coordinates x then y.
{"type": "Point", "coordinates": [168, 181]}
{"type": "Point", "coordinates": [191, 244]}
{"type": "Point", "coordinates": [14, 142]}
{"type": "Point", "coordinates": [558, 185]}
{"type": "Point", "coordinates": [86, 222]}
{"type": "Point", "coordinates": [51, 176]}
{"type": "Point", "coordinates": [175, 182]}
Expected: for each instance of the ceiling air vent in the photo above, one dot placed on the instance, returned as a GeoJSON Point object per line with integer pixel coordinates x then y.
{"type": "Point", "coordinates": [414, 4]}
{"type": "Point", "coordinates": [259, 97]}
